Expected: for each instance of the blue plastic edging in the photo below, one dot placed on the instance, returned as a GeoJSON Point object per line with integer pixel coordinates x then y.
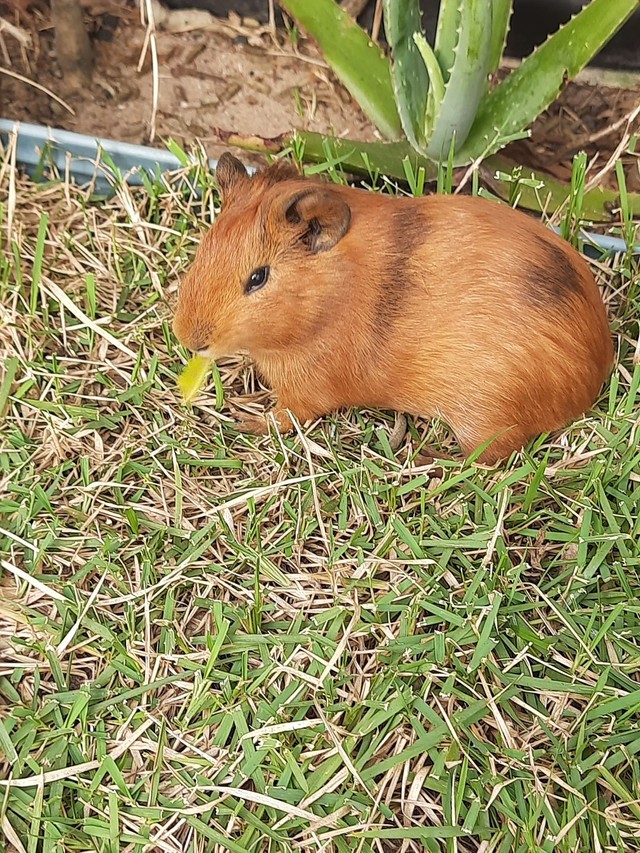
{"type": "Point", "coordinates": [79, 156]}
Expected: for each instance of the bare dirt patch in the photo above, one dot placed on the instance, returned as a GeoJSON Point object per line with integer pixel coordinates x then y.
{"type": "Point", "coordinates": [237, 74]}
{"type": "Point", "coordinates": [223, 75]}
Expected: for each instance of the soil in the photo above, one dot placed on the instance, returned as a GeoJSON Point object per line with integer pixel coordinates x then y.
{"type": "Point", "coordinates": [237, 74]}
{"type": "Point", "coordinates": [532, 21]}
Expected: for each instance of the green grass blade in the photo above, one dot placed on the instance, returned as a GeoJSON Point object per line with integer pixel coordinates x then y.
{"type": "Point", "coordinates": [357, 62]}
{"type": "Point", "coordinates": [402, 21]}
{"type": "Point", "coordinates": [538, 192]}
{"type": "Point", "coordinates": [486, 640]}
{"type": "Point", "coordinates": [530, 88]}
{"type": "Point", "coordinates": [238, 642]}
{"type": "Point", "coordinates": [544, 192]}
{"type": "Point", "coordinates": [454, 114]}
{"type": "Point", "coordinates": [361, 158]}
{"type": "Point", "coordinates": [6, 746]}
{"type": "Point", "coordinates": [37, 262]}
{"type": "Point", "coordinates": [9, 374]}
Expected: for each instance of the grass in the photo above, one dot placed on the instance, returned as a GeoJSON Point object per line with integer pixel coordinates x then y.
{"type": "Point", "coordinates": [213, 642]}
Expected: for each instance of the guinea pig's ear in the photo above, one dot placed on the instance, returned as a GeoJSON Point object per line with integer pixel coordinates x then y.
{"type": "Point", "coordinates": [230, 173]}
{"type": "Point", "coordinates": [321, 217]}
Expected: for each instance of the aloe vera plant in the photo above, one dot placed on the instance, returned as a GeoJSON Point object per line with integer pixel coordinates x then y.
{"type": "Point", "coordinates": [532, 191]}
{"type": "Point", "coordinates": [441, 93]}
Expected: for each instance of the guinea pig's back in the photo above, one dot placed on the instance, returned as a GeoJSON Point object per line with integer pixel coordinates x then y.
{"type": "Point", "coordinates": [506, 265]}
{"type": "Point", "coordinates": [500, 311]}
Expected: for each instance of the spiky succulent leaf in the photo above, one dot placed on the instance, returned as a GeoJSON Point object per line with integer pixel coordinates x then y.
{"type": "Point", "coordinates": [514, 104]}
{"type": "Point", "coordinates": [402, 20]}
{"type": "Point", "coordinates": [501, 16]}
{"type": "Point", "coordinates": [538, 192]}
{"type": "Point", "coordinates": [453, 115]}
{"type": "Point", "coordinates": [437, 85]}
{"type": "Point", "coordinates": [352, 155]}
{"type": "Point", "coordinates": [447, 33]}
{"type": "Point", "coordinates": [358, 63]}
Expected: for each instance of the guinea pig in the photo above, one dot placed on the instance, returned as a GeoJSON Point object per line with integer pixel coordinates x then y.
{"type": "Point", "coordinates": [454, 307]}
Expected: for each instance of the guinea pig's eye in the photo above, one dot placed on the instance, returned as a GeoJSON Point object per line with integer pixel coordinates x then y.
{"type": "Point", "coordinates": [257, 279]}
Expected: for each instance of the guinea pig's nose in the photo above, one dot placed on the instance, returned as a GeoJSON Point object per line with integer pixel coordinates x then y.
{"type": "Point", "coordinates": [177, 328]}
{"type": "Point", "coordinates": [194, 336]}
{"type": "Point", "coordinates": [200, 338]}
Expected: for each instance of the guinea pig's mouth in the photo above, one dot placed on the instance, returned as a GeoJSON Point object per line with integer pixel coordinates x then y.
{"type": "Point", "coordinates": [215, 353]}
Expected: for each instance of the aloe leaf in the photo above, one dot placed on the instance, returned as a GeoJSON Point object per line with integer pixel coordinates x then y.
{"type": "Point", "coordinates": [355, 157]}
{"type": "Point", "coordinates": [447, 33]}
{"type": "Point", "coordinates": [501, 17]}
{"type": "Point", "coordinates": [437, 88]}
{"type": "Point", "coordinates": [402, 20]}
{"type": "Point", "coordinates": [358, 63]}
{"type": "Point", "coordinates": [454, 114]}
{"type": "Point", "coordinates": [529, 89]}
{"type": "Point", "coordinates": [599, 205]}
{"type": "Point", "coordinates": [539, 192]}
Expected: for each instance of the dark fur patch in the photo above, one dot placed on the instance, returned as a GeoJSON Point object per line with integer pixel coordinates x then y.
{"type": "Point", "coordinates": [230, 173]}
{"type": "Point", "coordinates": [554, 281]}
{"type": "Point", "coordinates": [201, 336]}
{"type": "Point", "coordinates": [408, 229]}
{"type": "Point", "coordinates": [277, 172]}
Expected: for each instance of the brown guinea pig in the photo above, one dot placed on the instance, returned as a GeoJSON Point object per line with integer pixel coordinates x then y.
{"type": "Point", "coordinates": [448, 306]}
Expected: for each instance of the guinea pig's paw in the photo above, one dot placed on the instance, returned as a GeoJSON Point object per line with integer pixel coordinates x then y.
{"type": "Point", "coordinates": [264, 424]}
{"type": "Point", "coordinates": [254, 425]}
{"type": "Point", "coordinates": [282, 420]}
{"type": "Point", "coordinates": [428, 455]}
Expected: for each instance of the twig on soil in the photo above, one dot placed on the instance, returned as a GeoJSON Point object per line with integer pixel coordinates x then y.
{"type": "Point", "coordinates": [272, 19]}
{"type": "Point", "coordinates": [397, 434]}
{"type": "Point", "coordinates": [310, 60]}
{"type": "Point", "coordinates": [354, 7]}
{"type": "Point", "coordinates": [627, 118]}
{"type": "Point", "coordinates": [146, 11]}
{"type": "Point", "coordinates": [377, 22]}
{"type": "Point", "coordinates": [16, 32]}
{"type": "Point", "coordinates": [73, 48]}
{"type": "Point", "coordinates": [35, 85]}
{"type": "Point", "coordinates": [616, 154]}
{"type": "Point", "coordinates": [10, 164]}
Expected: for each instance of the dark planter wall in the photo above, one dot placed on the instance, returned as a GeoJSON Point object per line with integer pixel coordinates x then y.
{"type": "Point", "coordinates": [531, 23]}
{"type": "Point", "coordinates": [534, 20]}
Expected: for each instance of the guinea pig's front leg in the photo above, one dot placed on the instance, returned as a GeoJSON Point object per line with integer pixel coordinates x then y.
{"type": "Point", "coordinates": [263, 424]}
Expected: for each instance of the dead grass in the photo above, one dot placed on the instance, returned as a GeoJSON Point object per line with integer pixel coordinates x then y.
{"type": "Point", "coordinates": [210, 642]}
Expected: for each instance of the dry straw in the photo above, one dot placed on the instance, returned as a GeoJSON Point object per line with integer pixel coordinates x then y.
{"type": "Point", "coordinates": [215, 642]}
